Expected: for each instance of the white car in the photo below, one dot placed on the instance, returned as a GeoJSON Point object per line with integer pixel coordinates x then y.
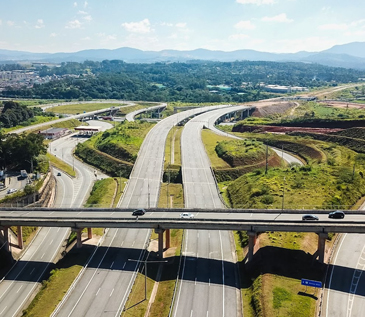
{"type": "Point", "coordinates": [11, 190]}
{"type": "Point", "coordinates": [186, 215]}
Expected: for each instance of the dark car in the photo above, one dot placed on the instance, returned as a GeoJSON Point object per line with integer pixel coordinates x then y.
{"type": "Point", "coordinates": [138, 212]}
{"type": "Point", "coordinates": [309, 217]}
{"type": "Point", "coordinates": [58, 174]}
{"type": "Point", "coordinates": [337, 214]}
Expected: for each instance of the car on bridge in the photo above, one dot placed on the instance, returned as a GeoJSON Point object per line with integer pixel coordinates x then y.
{"type": "Point", "coordinates": [186, 215]}
{"type": "Point", "coordinates": [138, 212]}
{"type": "Point", "coordinates": [309, 217]}
{"type": "Point", "coordinates": [337, 214]}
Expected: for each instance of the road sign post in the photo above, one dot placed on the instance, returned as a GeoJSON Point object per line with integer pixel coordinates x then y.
{"type": "Point", "coordinates": [311, 283]}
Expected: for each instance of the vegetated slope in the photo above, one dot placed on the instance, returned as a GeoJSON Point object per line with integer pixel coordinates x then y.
{"type": "Point", "coordinates": [271, 282]}
{"type": "Point", "coordinates": [114, 151]}
{"type": "Point", "coordinates": [280, 108]}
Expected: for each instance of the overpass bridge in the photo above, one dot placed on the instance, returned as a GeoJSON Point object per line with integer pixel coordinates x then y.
{"type": "Point", "coordinates": [253, 221]}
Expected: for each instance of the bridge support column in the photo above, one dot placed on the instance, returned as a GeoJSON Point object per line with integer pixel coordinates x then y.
{"type": "Point", "coordinates": [160, 242]}
{"type": "Point", "coordinates": [251, 244]}
{"type": "Point", "coordinates": [20, 237]}
{"type": "Point", "coordinates": [78, 237]}
{"type": "Point", "coordinates": [5, 230]}
{"type": "Point", "coordinates": [89, 233]}
{"type": "Point", "coordinates": [167, 233]}
{"type": "Point", "coordinates": [321, 246]}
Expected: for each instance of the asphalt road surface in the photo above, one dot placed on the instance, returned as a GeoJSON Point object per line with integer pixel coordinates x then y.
{"type": "Point", "coordinates": [20, 283]}
{"type": "Point", "coordinates": [141, 191]}
{"type": "Point", "coordinates": [208, 281]}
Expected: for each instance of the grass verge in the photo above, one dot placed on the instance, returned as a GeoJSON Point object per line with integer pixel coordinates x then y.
{"type": "Point", "coordinates": [59, 164]}
{"type": "Point", "coordinates": [81, 107]}
{"type": "Point", "coordinates": [59, 280]}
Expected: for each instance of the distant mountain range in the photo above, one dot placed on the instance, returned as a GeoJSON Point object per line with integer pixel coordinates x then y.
{"type": "Point", "coordinates": [351, 55]}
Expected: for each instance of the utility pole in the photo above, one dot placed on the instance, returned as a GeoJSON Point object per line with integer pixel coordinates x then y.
{"type": "Point", "coordinates": [282, 202]}
{"type": "Point", "coordinates": [267, 153]}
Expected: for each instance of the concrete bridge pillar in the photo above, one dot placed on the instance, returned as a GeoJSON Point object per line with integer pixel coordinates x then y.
{"type": "Point", "coordinates": [5, 230]}
{"type": "Point", "coordinates": [20, 237]}
{"type": "Point", "coordinates": [78, 236]}
{"type": "Point", "coordinates": [251, 244]}
{"type": "Point", "coordinates": [167, 233]}
{"type": "Point", "coordinates": [321, 246]}
{"type": "Point", "coordinates": [89, 233]}
{"type": "Point", "coordinates": [160, 242]}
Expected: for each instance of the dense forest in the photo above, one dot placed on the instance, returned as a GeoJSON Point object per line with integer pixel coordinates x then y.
{"type": "Point", "coordinates": [12, 114]}
{"type": "Point", "coordinates": [20, 151]}
{"type": "Point", "coordinates": [189, 82]}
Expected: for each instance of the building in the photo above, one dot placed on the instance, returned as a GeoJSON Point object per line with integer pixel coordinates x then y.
{"type": "Point", "coordinates": [54, 133]}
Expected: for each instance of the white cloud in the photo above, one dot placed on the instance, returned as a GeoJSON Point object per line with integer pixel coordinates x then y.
{"type": "Point", "coordinates": [257, 2]}
{"type": "Point", "coordinates": [245, 25]}
{"type": "Point", "coordinates": [281, 18]}
{"type": "Point", "coordinates": [53, 35]}
{"type": "Point", "coordinates": [10, 23]}
{"type": "Point", "coordinates": [334, 27]}
{"type": "Point", "coordinates": [82, 12]}
{"type": "Point", "coordinates": [313, 44]}
{"type": "Point", "coordinates": [167, 24]}
{"type": "Point", "coordinates": [238, 37]}
{"type": "Point", "coordinates": [40, 24]}
{"type": "Point", "coordinates": [75, 24]}
{"type": "Point", "coordinates": [141, 27]}
{"type": "Point", "coordinates": [87, 38]}
{"type": "Point", "coordinates": [86, 4]}
{"type": "Point", "coordinates": [75, 4]}
{"type": "Point", "coordinates": [87, 18]}
{"type": "Point", "coordinates": [180, 25]}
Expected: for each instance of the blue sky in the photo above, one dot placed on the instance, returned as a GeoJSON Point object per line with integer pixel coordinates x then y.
{"type": "Point", "coordinates": [264, 25]}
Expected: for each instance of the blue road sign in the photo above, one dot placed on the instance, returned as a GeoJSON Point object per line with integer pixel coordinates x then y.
{"type": "Point", "coordinates": [311, 283]}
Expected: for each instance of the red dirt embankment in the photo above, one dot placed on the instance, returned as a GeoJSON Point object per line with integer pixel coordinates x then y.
{"type": "Point", "coordinates": [275, 129]}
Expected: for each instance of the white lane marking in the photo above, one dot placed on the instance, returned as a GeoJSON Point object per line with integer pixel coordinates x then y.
{"type": "Point", "coordinates": [207, 313]}
{"type": "Point", "coordinates": [51, 213]}
{"type": "Point", "coordinates": [97, 292]}
{"type": "Point", "coordinates": [220, 238]}
{"type": "Point", "coordinates": [355, 282]}
{"type": "Point", "coordinates": [122, 244]}
{"type": "Point", "coordinates": [329, 284]}
{"type": "Point", "coordinates": [183, 271]}
{"type": "Point", "coordinates": [124, 264]}
{"type": "Point", "coordinates": [133, 243]}
{"type": "Point", "coordinates": [58, 229]}
{"type": "Point", "coordinates": [111, 265]}
{"type": "Point", "coordinates": [3, 310]}
{"type": "Point", "coordinates": [32, 271]}
{"type": "Point", "coordinates": [43, 255]}
{"type": "Point", "coordinates": [92, 277]}
{"type": "Point", "coordinates": [191, 313]}
{"type": "Point", "coordinates": [51, 242]}
{"type": "Point", "coordinates": [19, 289]}
{"type": "Point", "coordinates": [111, 292]}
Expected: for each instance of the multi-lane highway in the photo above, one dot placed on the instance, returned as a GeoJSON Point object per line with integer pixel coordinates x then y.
{"type": "Point", "coordinates": [141, 191]}
{"type": "Point", "coordinates": [20, 283]}
{"type": "Point", "coordinates": [208, 281]}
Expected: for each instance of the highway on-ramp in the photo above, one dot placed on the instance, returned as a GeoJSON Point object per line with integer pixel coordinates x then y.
{"type": "Point", "coordinates": [21, 282]}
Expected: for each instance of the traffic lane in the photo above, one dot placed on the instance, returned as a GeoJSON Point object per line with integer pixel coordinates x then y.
{"type": "Point", "coordinates": [64, 193]}
{"type": "Point", "coordinates": [113, 214]}
{"type": "Point", "coordinates": [186, 293]}
{"type": "Point", "coordinates": [117, 282]}
{"type": "Point", "coordinates": [343, 283]}
{"type": "Point", "coordinates": [357, 302]}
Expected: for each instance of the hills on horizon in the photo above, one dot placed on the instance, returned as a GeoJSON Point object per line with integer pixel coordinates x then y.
{"type": "Point", "coordinates": [351, 55]}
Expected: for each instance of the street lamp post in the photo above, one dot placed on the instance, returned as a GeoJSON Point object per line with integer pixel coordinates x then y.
{"type": "Point", "coordinates": [145, 271]}
{"type": "Point", "coordinates": [282, 202]}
